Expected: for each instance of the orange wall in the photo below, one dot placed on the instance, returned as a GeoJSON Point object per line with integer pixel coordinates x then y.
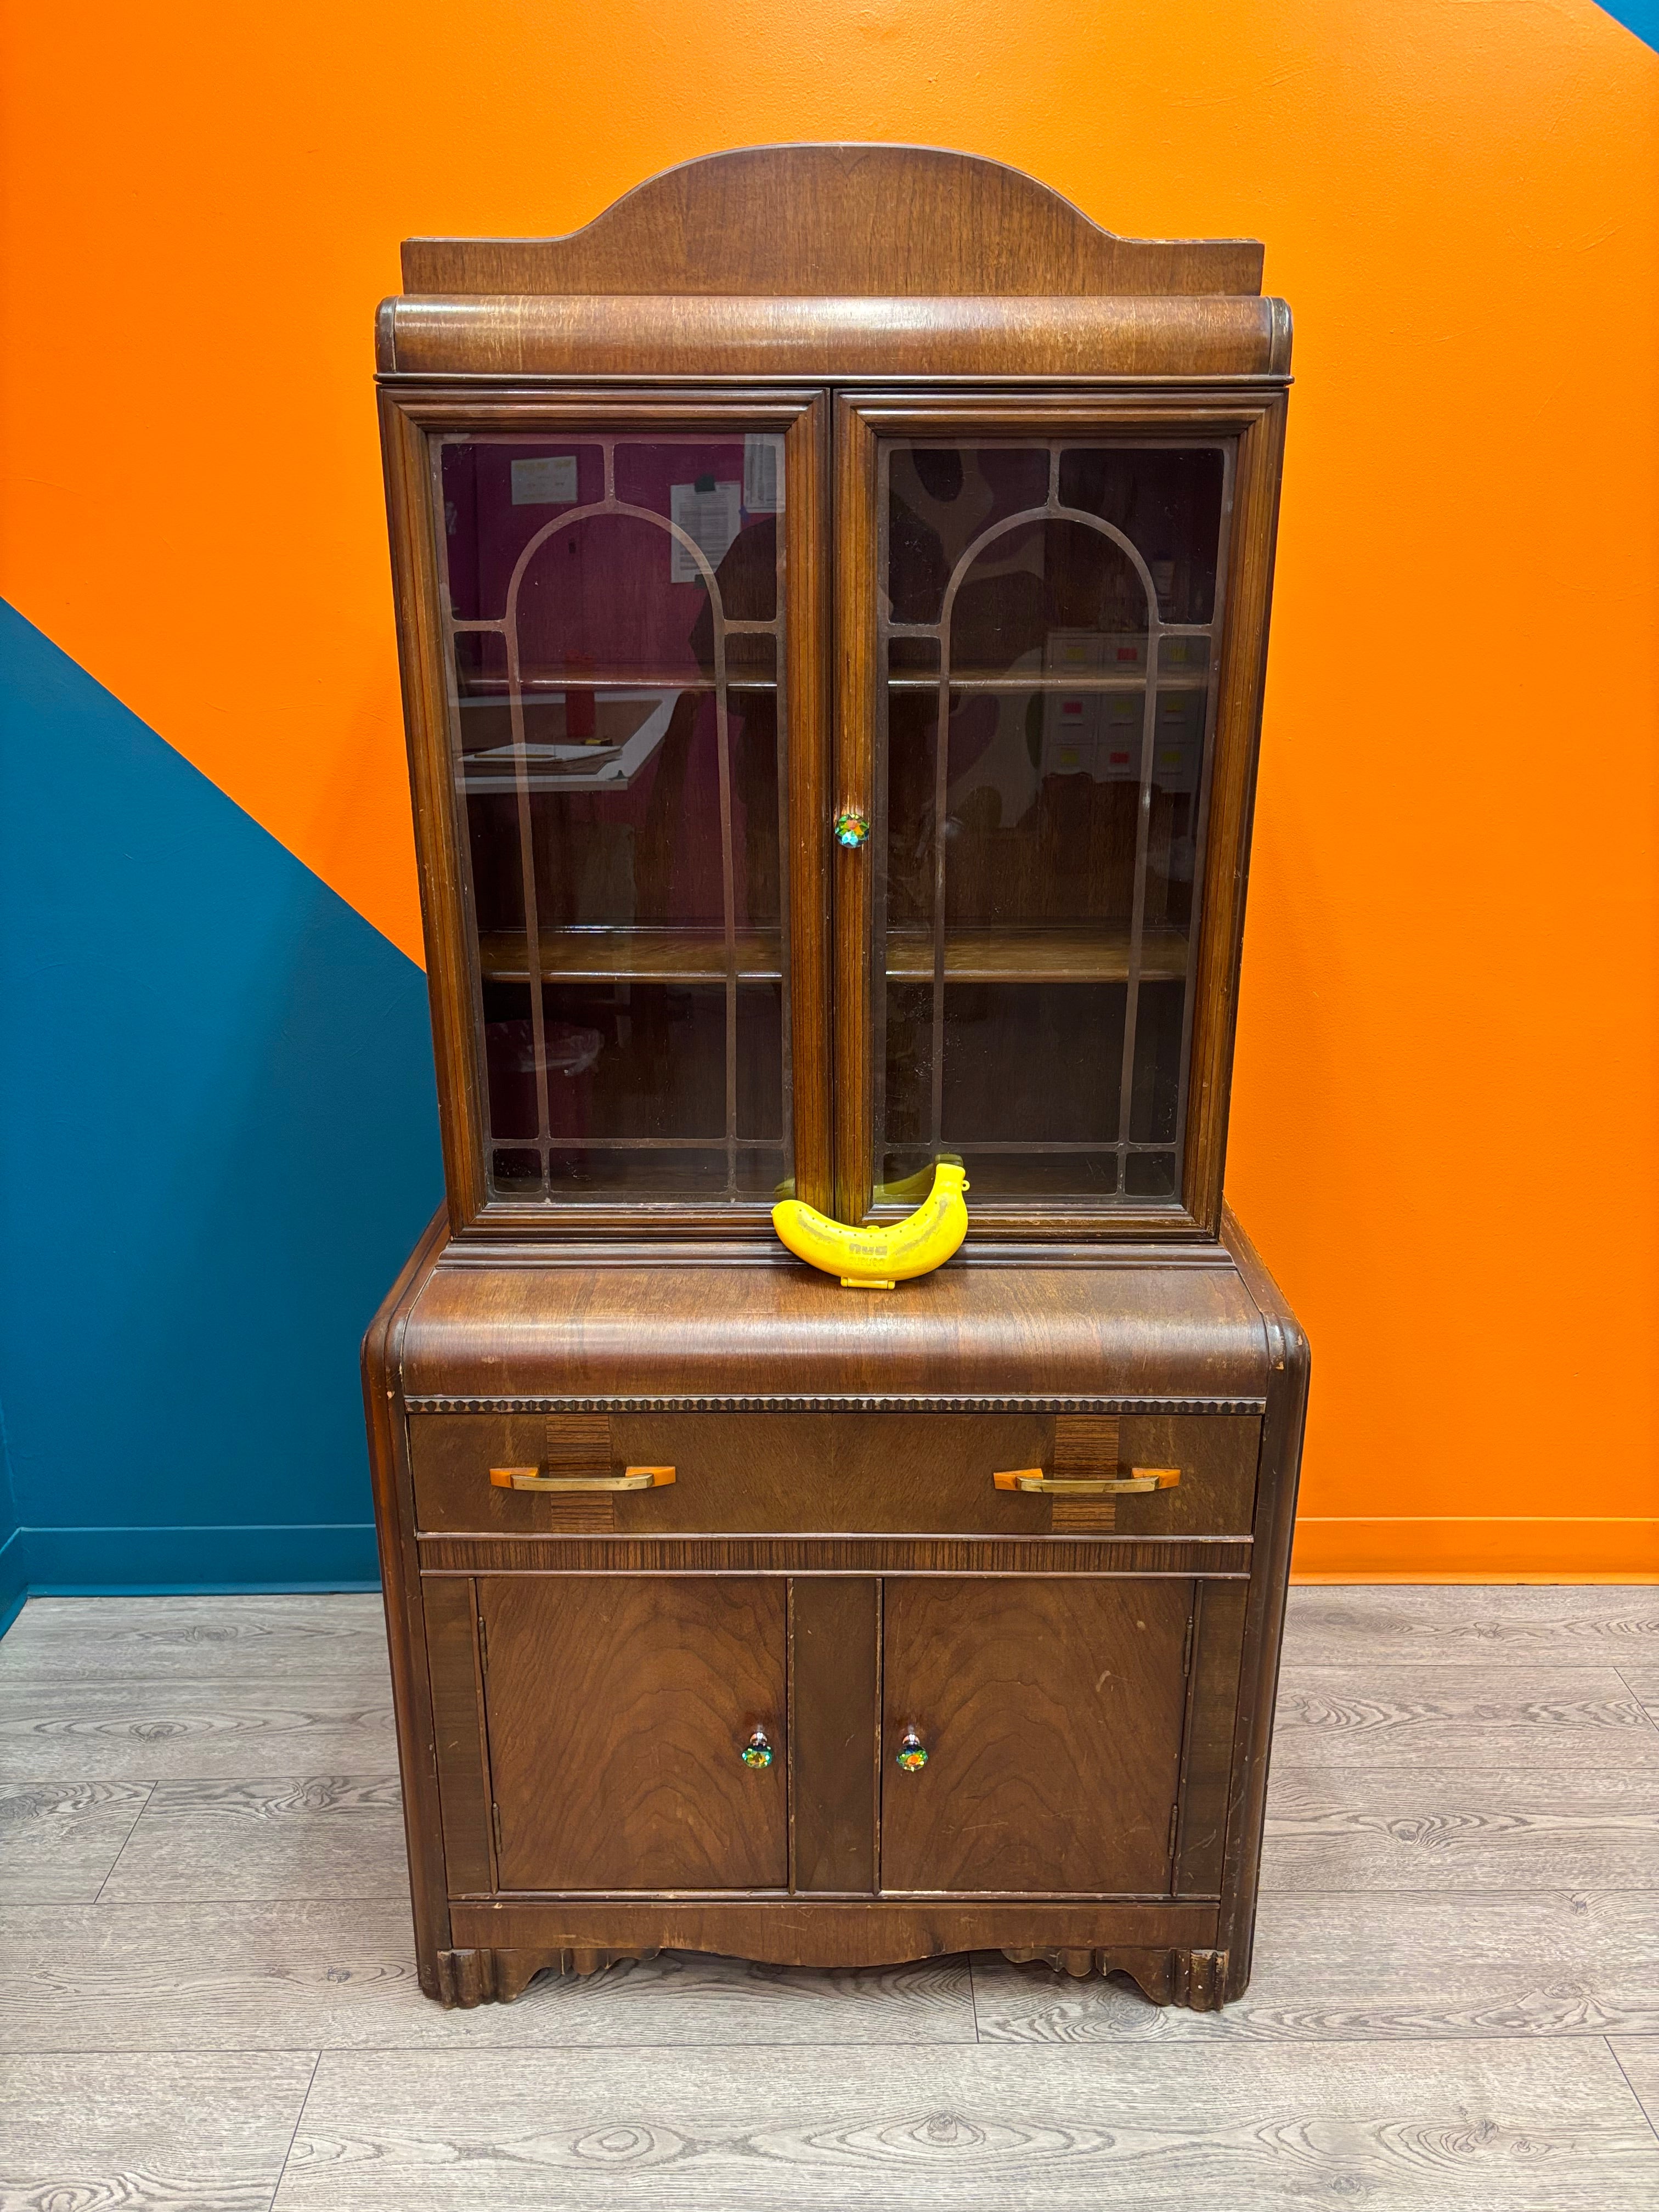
{"type": "Point", "coordinates": [1445, 1109]}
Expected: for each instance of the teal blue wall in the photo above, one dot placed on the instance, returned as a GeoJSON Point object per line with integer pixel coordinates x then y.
{"type": "Point", "coordinates": [1640, 16]}
{"type": "Point", "coordinates": [218, 1142]}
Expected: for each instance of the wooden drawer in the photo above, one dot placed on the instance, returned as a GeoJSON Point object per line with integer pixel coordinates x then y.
{"type": "Point", "coordinates": [835, 1473]}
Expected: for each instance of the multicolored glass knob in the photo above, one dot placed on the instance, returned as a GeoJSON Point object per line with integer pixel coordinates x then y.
{"type": "Point", "coordinates": [758, 1751]}
{"type": "Point", "coordinates": [851, 829]}
{"type": "Point", "coordinates": [912, 1753]}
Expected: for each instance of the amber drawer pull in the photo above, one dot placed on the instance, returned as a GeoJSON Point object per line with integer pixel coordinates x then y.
{"type": "Point", "coordinates": [1137, 1482]}
{"type": "Point", "coordinates": [530, 1478]}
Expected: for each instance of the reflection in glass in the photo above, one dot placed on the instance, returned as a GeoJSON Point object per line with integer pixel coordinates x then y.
{"type": "Point", "coordinates": [616, 637]}
{"type": "Point", "coordinates": [1049, 608]}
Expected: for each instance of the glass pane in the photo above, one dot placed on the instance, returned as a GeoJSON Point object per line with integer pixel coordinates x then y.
{"type": "Point", "coordinates": [1050, 597]}
{"type": "Point", "coordinates": [616, 635]}
{"type": "Point", "coordinates": [939, 499]}
{"type": "Point", "coordinates": [1040, 873]}
{"type": "Point", "coordinates": [1168, 502]}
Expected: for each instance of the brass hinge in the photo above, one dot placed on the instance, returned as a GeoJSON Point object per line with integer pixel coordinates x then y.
{"type": "Point", "coordinates": [495, 1822]}
{"type": "Point", "coordinates": [483, 1647]}
{"type": "Point", "coordinates": [1187, 1648]}
{"type": "Point", "coordinates": [1174, 1816]}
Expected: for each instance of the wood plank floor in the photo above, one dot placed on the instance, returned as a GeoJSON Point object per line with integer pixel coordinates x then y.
{"type": "Point", "coordinates": [211, 2001]}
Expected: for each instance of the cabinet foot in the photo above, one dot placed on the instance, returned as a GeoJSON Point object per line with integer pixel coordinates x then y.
{"type": "Point", "coordinates": [1197, 1979]}
{"type": "Point", "coordinates": [484, 1976]}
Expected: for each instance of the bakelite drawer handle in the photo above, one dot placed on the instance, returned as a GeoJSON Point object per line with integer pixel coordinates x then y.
{"type": "Point", "coordinates": [1142, 1480]}
{"type": "Point", "coordinates": [531, 1478]}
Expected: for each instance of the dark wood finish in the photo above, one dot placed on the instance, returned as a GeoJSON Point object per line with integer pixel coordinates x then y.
{"type": "Point", "coordinates": [401, 1592]}
{"type": "Point", "coordinates": [1255, 422]}
{"type": "Point", "coordinates": [1073, 1340]}
{"type": "Point", "coordinates": [823, 1931]}
{"type": "Point", "coordinates": [558, 1553]}
{"type": "Point", "coordinates": [453, 1661]}
{"type": "Point", "coordinates": [1051, 1710]}
{"type": "Point", "coordinates": [833, 1556]}
{"type": "Point", "coordinates": [1207, 1753]}
{"type": "Point", "coordinates": [617, 1712]}
{"type": "Point", "coordinates": [747, 1473]}
{"type": "Point", "coordinates": [1288, 1366]}
{"type": "Point", "coordinates": [806, 464]}
{"type": "Point", "coordinates": [481, 1977]}
{"type": "Point", "coordinates": [408, 419]}
{"type": "Point", "coordinates": [939, 337]}
{"type": "Point", "coordinates": [834, 1630]}
{"type": "Point", "coordinates": [859, 219]}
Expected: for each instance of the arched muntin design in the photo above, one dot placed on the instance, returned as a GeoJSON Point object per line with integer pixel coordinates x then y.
{"type": "Point", "coordinates": [505, 626]}
{"type": "Point", "coordinates": [1051, 510]}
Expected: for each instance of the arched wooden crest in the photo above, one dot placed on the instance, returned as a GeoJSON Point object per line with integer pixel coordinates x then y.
{"type": "Point", "coordinates": [856, 222]}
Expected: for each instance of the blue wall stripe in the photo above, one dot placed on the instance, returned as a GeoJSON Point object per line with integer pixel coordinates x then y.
{"type": "Point", "coordinates": [1640, 16]}
{"type": "Point", "coordinates": [293, 1557]}
{"type": "Point", "coordinates": [218, 1142]}
{"type": "Point", "coordinates": [14, 1580]}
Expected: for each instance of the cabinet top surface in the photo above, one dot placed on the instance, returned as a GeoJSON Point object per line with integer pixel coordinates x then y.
{"type": "Point", "coordinates": [857, 221]}
{"type": "Point", "coordinates": [490, 1330]}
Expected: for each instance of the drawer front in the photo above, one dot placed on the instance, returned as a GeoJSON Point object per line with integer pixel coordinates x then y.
{"type": "Point", "coordinates": [838, 1473]}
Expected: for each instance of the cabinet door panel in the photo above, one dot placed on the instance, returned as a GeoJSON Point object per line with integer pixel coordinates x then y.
{"type": "Point", "coordinates": [1051, 1712]}
{"type": "Point", "coordinates": [618, 1709]}
{"type": "Point", "coordinates": [622, 700]}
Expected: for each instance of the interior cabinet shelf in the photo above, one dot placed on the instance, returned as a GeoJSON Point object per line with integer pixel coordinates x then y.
{"type": "Point", "coordinates": [535, 690]}
{"type": "Point", "coordinates": [1061, 955]}
{"type": "Point", "coordinates": [639, 955]}
{"type": "Point", "coordinates": [1036, 679]}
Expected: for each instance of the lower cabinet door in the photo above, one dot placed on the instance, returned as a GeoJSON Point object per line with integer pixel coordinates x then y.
{"type": "Point", "coordinates": [1031, 1734]}
{"type": "Point", "coordinates": [619, 1710]}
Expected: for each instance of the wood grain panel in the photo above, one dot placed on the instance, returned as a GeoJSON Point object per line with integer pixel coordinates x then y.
{"type": "Point", "coordinates": [826, 1473]}
{"type": "Point", "coordinates": [836, 218]}
{"type": "Point", "coordinates": [827, 1931]}
{"type": "Point", "coordinates": [457, 1720]}
{"type": "Point", "coordinates": [686, 337]}
{"type": "Point", "coordinates": [618, 1709]}
{"type": "Point", "coordinates": [1207, 1755]}
{"type": "Point", "coordinates": [1052, 1713]}
{"type": "Point", "coordinates": [1180, 1328]}
{"type": "Point", "coordinates": [834, 1705]}
{"type": "Point", "coordinates": [855, 1555]}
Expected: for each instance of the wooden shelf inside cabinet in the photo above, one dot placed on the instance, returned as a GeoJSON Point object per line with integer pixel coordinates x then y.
{"type": "Point", "coordinates": [535, 689]}
{"type": "Point", "coordinates": [639, 955]}
{"type": "Point", "coordinates": [1066, 955]}
{"type": "Point", "coordinates": [912, 679]}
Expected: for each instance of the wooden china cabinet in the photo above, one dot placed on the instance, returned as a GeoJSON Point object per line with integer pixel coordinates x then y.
{"type": "Point", "coordinates": [832, 592]}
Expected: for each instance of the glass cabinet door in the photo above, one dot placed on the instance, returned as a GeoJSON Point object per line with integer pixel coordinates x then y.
{"type": "Point", "coordinates": [1048, 620]}
{"type": "Point", "coordinates": [614, 638]}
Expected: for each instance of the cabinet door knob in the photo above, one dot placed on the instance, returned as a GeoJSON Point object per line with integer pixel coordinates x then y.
{"type": "Point", "coordinates": [851, 829]}
{"type": "Point", "coordinates": [758, 1751]}
{"type": "Point", "coordinates": [912, 1754]}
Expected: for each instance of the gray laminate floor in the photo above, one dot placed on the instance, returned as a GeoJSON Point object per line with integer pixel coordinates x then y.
{"type": "Point", "coordinates": [208, 1999]}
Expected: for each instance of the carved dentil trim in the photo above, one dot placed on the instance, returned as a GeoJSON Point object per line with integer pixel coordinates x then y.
{"type": "Point", "coordinates": [438, 1403]}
